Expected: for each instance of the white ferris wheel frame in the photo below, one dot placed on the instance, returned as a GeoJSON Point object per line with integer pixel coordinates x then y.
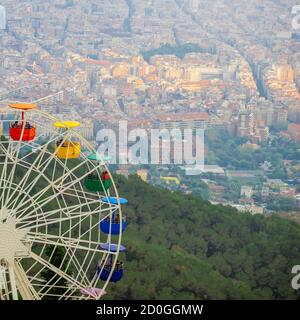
{"type": "Point", "coordinates": [21, 208]}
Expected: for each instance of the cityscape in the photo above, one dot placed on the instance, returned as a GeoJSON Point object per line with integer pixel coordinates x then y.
{"type": "Point", "coordinates": [159, 64]}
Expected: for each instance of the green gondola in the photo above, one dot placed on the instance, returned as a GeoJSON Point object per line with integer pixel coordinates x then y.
{"type": "Point", "coordinates": [96, 185]}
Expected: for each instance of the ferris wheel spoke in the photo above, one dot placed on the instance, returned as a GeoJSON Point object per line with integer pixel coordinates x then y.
{"type": "Point", "coordinates": [71, 243]}
{"type": "Point", "coordinates": [40, 169]}
{"type": "Point", "coordinates": [82, 195]}
{"type": "Point", "coordinates": [15, 156]}
{"type": "Point", "coordinates": [3, 148]}
{"type": "Point", "coordinates": [74, 249]}
{"type": "Point", "coordinates": [56, 270]}
{"type": "Point", "coordinates": [52, 184]}
{"type": "Point", "coordinates": [51, 222]}
{"type": "Point", "coordinates": [28, 173]}
{"type": "Point", "coordinates": [79, 265]}
{"type": "Point", "coordinates": [77, 192]}
{"type": "Point", "coordinates": [46, 220]}
{"type": "Point", "coordinates": [31, 145]}
{"type": "Point", "coordinates": [88, 266]}
{"type": "Point", "coordinates": [4, 172]}
{"type": "Point", "coordinates": [96, 225]}
{"type": "Point", "coordinates": [69, 211]}
{"type": "Point", "coordinates": [25, 212]}
{"type": "Point", "coordinates": [71, 254]}
{"type": "Point", "coordinates": [69, 173]}
{"type": "Point", "coordinates": [43, 202]}
{"type": "Point", "coordinates": [45, 290]}
{"type": "Point", "coordinates": [93, 281]}
{"type": "Point", "coordinates": [93, 284]}
{"type": "Point", "coordinates": [92, 227]}
{"type": "Point", "coordinates": [12, 201]}
{"type": "Point", "coordinates": [49, 182]}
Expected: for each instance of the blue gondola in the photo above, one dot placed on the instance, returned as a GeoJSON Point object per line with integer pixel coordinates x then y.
{"type": "Point", "coordinates": [111, 247]}
{"type": "Point", "coordinates": [116, 276]}
{"type": "Point", "coordinates": [112, 228]}
{"type": "Point", "coordinates": [98, 157]}
{"type": "Point", "coordinates": [105, 271]}
{"type": "Point", "coordinates": [114, 200]}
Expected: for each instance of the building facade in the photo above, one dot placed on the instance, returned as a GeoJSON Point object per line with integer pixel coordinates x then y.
{"type": "Point", "coordinates": [2, 18]}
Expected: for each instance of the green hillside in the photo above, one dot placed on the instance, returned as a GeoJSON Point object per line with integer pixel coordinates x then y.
{"type": "Point", "coordinates": [180, 247]}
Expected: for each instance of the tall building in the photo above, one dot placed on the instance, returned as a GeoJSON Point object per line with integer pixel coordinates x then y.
{"type": "Point", "coordinates": [194, 74]}
{"type": "Point", "coordinates": [246, 191]}
{"type": "Point", "coordinates": [2, 18]}
{"type": "Point", "coordinates": [245, 125]}
{"type": "Point", "coordinates": [285, 73]}
{"type": "Point", "coordinates": [261, 134]}
{"type": "Point", "coordinates": [280, 116]}
{"type": "Point", "coordinates": [193, 5]}
{"type": "Point", "coordinates": [193, 120]}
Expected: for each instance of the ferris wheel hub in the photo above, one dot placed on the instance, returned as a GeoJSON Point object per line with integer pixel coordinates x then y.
{"type": "Point", "coordinates": [11, 241]}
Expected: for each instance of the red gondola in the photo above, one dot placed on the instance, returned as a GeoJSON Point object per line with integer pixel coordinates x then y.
{"type": "Point", "coordinates": [21, 131]}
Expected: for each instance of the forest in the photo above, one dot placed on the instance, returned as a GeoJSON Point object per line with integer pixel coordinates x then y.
{"type": "Point", "coordinates": [182, 247]}
{"type": "Point", "coordinates": [233, 154]}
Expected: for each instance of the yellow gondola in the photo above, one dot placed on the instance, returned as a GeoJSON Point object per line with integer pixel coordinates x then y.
{"type": "Point", "coordinates": [66, 149]}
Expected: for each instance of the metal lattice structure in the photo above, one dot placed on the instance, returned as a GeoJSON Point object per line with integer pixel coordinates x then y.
{"type": "Point", "coordinates": [49, 221]}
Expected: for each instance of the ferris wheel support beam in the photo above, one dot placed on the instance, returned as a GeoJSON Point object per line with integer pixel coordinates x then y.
{"type": "Point", "coordinates": [25, 288]}
{"type": "Point", "coordinates": [12, 280]}
{"type": "Point", "coordinates": [4, 292]}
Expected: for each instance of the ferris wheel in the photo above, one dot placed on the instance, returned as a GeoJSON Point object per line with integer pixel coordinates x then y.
{"type": "Point", "coordinates": [61, 221]}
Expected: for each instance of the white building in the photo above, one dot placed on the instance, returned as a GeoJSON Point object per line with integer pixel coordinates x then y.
{"type": "Point", "coordinates": [193, 5]}
{"type": "Point", "coordinates": [2, 18]}
{"type": "Point", "coordinates": [298, 200]}
{"type": "Point", "coordinates": [246, 192]}
{"type": "Point", "coordinates": [249, 208]}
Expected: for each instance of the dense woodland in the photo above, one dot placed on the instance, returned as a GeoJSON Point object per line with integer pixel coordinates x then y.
{"type": "Point", "coordinates": [181, 247]}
